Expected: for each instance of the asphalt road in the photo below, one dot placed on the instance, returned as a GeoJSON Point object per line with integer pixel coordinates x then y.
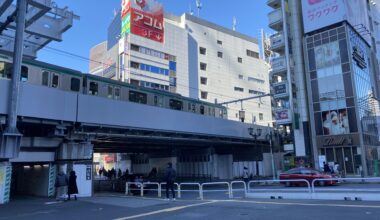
{"type": "Point", "coordinates": [119, 207]}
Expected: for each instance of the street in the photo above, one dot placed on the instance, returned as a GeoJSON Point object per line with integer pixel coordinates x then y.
{"type": "Point", "coordinates": [121, 207]}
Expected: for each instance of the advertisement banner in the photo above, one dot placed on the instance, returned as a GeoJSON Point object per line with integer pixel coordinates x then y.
{"type": "Point", "coordinates": [282, 115]}
{"type": "Point", "coordinates": [147, 19]}
{"type": "Point", "coordinates": [335, 122]}
{"type": "Point", "coordinates": [321, 13]}
{"type": "Point", "coordinates": [125, 16]}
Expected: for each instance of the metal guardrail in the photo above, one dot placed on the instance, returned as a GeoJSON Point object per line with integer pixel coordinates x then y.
{"type": "Point", "coordinates": [189, 184]}
{"type": "Point", "coordinates": [178, 189]}
{"type": "Point", "coordinates": [355, 180]}
{"type": "Point", "coordinates": [133, 183]}
{"type": "Point", "coordinates": [237, 182]}
{"type": "Point", "coordinates": [155, 184]}
{"type": "Point", "coordinates": [280, 181]}
{"type": "Point", "coordinates": [216, 183]}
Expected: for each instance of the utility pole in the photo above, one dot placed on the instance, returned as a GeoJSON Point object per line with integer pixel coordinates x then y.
{"type": "Point", "coordinates": [199, 6]}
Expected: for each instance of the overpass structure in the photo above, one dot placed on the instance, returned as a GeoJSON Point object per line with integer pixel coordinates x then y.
{"type": "Point", "coordinates": [61, 130]}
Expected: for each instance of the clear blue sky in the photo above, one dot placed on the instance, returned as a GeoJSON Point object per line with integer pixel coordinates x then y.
{"type": "Point", "coordinates": [96, 15]}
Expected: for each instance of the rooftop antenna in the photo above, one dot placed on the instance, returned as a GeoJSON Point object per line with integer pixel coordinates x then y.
{"type": "Point", "coordinates": [199, 6]}
{"type": "Point", "coordinates": [234, 23]}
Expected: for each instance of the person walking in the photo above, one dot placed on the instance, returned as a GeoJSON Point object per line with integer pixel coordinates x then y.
{"type": "Point", "coordinates": [73, 188]}
{"type": "Point", "coordinates": [61, 182]}
{"type": "Point", "coordinates": [245, 175]}
{"type": "Point", "coordinates": [170, 176]}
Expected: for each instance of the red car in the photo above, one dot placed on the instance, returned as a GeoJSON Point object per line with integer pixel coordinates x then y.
{"type": "Point", "coordinates": [306, 174]}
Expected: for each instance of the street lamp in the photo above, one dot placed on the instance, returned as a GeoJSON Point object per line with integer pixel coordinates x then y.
{"type": "Point", "coordinates": [269, 137]}
{"type": "Point", "coordinates": [255, 135]}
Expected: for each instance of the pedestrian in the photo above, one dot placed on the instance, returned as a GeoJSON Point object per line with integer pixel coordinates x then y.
{"type": "Point", "coordinates": [336, 169]}
{"type": "Point", "coordinates": [119, 174]}
{"type": "Point", "coordinates": [326, 168]}
{"type": "Point", "coordinates": [170, 176]}
{"type": "Point", "coordinates": [73, 188]}
{"type": "Point", "coordinates": [61, 182]}
{"type": "Point", "coordinates": [245, 175]}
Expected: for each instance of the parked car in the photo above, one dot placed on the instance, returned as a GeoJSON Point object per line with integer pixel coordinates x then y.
{"type": "Point", "coordinates": [306, 174]}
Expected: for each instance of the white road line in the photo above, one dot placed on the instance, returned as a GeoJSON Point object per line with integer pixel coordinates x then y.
{"type": "Point", "coordinates": [305, 204]}
{"type": "Point", "coordinates": [165, 210]}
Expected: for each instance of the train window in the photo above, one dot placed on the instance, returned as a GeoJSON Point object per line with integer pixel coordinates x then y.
{"type": "Point", "coordinates": [93, 90]}
{"type": "Point", "coordinates": [75, 84]}
{"type": "Point", "coordinates": [45, 78]}
{"type": "Point", "coordinates": [189, 106]}
{"type": "Point", "coordinates": [209, 111]}
{"type": "Point", "coordinates": [6, 70]}
{"type": "Point", "coordinates": [175, 104]}
{"type": "Point", "coordinates": [117, 93]}
{"type": "Point", "coordinates": [110, 92]}
{"type": "Point", "coordinates": [55, 81]}
{"type": "Point", "coordinates": [24, 73]}
{"type": "Point", "coordinates": [137, 97]}
{"type": "Point", "coordinates": [202, 110]}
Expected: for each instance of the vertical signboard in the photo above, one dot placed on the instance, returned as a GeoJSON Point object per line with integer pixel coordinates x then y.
{"type": "Point", "coordinates": [144, 18]}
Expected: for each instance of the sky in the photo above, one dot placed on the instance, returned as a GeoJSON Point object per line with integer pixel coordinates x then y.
{"type": "Point", "coordinates": [96, 15]}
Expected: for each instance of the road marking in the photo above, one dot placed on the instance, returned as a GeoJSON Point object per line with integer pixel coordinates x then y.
{"type": "Point", "coordinates": [50, 203]}
{"type": "Point", "coordinates": [165, 210]}
{"type": "Point", "coordinates": [305, 204]}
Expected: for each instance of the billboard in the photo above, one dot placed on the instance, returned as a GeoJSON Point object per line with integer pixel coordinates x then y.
{"type": "Point", "coordinates": [144, 18]}
{"type": "Point", "coordinates": [283, 116]}
{"type": "Point", "coordinates": [335, 122]}
{"type": "Point", "coordinates": [321, 13]}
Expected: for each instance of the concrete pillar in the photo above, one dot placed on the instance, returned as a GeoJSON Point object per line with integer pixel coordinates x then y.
{"type": "Point", "coordinates": [5, 182]}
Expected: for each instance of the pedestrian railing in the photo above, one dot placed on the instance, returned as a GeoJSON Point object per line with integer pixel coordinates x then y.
{"type": "Point", "coordinates": [287, 182]}
{"type": "Point", "coordinates": [215, 183]}
{"type": "Point", "coordinates": [238, 182]}
{"type": "Point", "coordinates": [189, 184]}
{"type": "Point", "coordinates": [333, 181]}
{"type": "Point", "coordinates": [139, 185]}
{"type": "Point", "coordinates": [176, 184]}
{"type": "Point", "coordinates": [310, 186]}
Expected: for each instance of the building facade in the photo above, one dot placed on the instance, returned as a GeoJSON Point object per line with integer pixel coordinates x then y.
{"type": "Point", "coordinates": [339, 80]}
{"type": "Point", "coordinates": [197, 59]}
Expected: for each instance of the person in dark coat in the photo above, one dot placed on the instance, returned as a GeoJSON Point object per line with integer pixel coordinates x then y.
{"type": "Point", "coordinates": [170, 176]}
{"type": "Point", "coordinates": [326, 168]}
{"type": "Point", "coordinates": [73, 188]}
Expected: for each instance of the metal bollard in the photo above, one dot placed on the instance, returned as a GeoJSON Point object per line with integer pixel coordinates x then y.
{"type": "Point", "coordinates": [179, 191]}
{"type": "Point", "coordinates": [142, 190]}
{"type": "Point", "coordinates": [201, 192]}
{"type": "Point", "coordinates": [126, 188]}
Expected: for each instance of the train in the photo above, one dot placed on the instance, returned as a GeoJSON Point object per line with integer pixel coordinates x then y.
{"type": "Point", "coordinates": [57, 77]}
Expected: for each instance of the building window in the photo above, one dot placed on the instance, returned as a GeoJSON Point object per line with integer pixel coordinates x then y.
{"type": "Point", "coordinates": [203, 80]}
{"type": "Point", "coordinates": [253, 54]}
{"type": "Point", "coordinates": [219, 42]}
{"type": "Point", "coordinates": [202, 50]}
{"type": "Point", "coordinates": [239, 89]}
{"type": "Point", "coordinates": [220, 54]}
{"type": "Point", "coordinates": [204, 95]}
{"type": "Point", "coordinates": [203, 66]}
{"type": "Point", "coordinates": [261, 117]}
{"type": "Point", "coordinates": [255, 92]}
{"type": "Point", "coordinates": [253, 79]}
{"type": "Point", "coordinates": [240, 60]}
{"type": "Point", "coordinates": [134, 47]}
{"type": "Point", "coordinates": [135, 65]}
{"type": "Point", "coordinates": [241, 76]}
